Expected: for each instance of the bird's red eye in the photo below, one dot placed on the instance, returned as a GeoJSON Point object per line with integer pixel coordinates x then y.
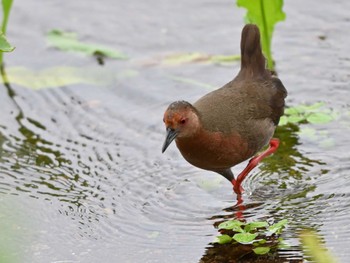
{"type": "Point", "coordinates": [183, 121]}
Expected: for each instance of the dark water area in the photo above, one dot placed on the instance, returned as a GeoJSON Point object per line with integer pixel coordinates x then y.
{"type": "Point", "coordinates": [82, 177]}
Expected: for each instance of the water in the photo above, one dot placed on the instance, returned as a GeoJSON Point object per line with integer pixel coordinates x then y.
{"type": "Point", "coordinates": [82, 174]}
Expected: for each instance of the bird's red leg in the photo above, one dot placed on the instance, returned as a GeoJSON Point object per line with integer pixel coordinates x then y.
{"type": "Point", "coordinates": [274, 143]}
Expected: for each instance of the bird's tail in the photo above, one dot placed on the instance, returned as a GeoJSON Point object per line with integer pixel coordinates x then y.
{"type": "Point", "coordinates": [252, 58]}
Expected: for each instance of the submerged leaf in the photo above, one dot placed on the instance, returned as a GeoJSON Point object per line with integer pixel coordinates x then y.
{"type": "Point", "coordinates": [265, 14]}
{"type": "Point", "coordinates": [68, 41]}
{"type": "Point", "coordinates": [245, 238]}
{"type": "Point", "coordinates": [261, 250]}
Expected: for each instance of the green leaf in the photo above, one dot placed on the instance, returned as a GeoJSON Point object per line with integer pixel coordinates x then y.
{"type": "Point", "coordinates": [319, 118]}
{"type": "Point", "coordinates": [265, 14]}
{"type": "Point", "coordinates": [63, 76]}
{"type": "Point", "coordinates": [261, 250]}
{"type": "Point", "coordinates": [283, 120]}
{"type": "Point", "coordinates": [223, 239]}
{"type": "Point", "coordinates": [221, 59]}
{"type": "Point", "coordinates": [210, 184]}
{"type": "Point", "coordinates": [233, 225]}
{"type": "Point", "coordinates": [314, 248]}
{"type": "Point", "coordinates": [68, 41]}
{"type": "Point", "coordinates": [245, 238]}
{"type": "Point", "coordinates": [6, 8]}
{"type": "Point", "coordinates": [315, 114]}
{"type": "Point", "coordinates": [183, 58]}
{"type": "Point", "coordinates": [192, 82]}
{"type": "Point", "coordinates": [254, 225]}
{"type": "Point", "coordinates": [277, 228]}
{"type": "Point", "coordinates": [5, 46]}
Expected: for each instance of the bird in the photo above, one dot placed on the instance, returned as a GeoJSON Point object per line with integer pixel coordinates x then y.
{"type": "Point", "coordinates": [233, 123]}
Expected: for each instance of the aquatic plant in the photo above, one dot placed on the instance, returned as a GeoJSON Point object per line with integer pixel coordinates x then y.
{"type": "Point", "coordinates": [68, 41]}
{"type": "Point", "coordinates": [265, 14]}
{"type": "Point", "coordinates": [314, 248]}
{"type": "Point", "coordinates": [4, 44]}
{"type": "Point", "coordinates": [259, 235]}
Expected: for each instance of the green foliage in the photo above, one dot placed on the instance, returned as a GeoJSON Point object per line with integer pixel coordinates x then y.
{"type": "Point", "coordinates": [5, 46]}
{"type": "Point", "coordinates": [259, 234]}
{"type": "Point", "coordinates": [265, 14]}
{"type": "Point", "coordinates": [314, 248]}
{"type": "Point", "coordinates": [68, 41]}
{"type": "Point", "coordinates": [315, 114]}
{"type": "Point", "coordinates": [261, 250]}
{"type": "Point", "coordinates": [278, 227]}
{"type": "Point", "coordinates": [192, 82]}
{"type": "Point", "coordinates": [6, 7]}
{"type": "Point", "coordinates": [64, 76]}
{"type": "Point", "coordinates": [245, 238]}
{"type": "Point", "coordinates": [233, 225]}
{"type": "Point", "coordinates": [224, 239]}
{"type": "Point", "coordinates": [196, 57]}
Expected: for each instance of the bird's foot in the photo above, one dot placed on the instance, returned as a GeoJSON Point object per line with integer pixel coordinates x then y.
{"type": "Point", "coordinates": [237, 188]}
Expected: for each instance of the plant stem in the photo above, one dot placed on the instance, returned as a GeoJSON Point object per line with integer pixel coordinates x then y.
{"type": "Point", "coordinates": [6, 7]}
{"type": "Point", "coordinates": [266, 37]}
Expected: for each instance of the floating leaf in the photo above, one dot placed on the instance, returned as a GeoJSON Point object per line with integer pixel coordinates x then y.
{"type": "Point", "coordinates": [223, 239]}
{"type": "Point", "coordinates": [234, 225]}
{"type": "Point", "coordinates": [183, 58]}
{"type": "Point", "coordinates": [195, 57]}
{"type": "Point", "coordinates": [277, 228]}
{"type": "Point", "coordinates": [265, 14]}
{"type": "Point", "coordinates": [210, 184]}
{"type": "Point", "coordinates": [221, 59]}
{"type": "Point", "coordinates": [254, 225]}
{"type": "Point", "coordinates": [153, 235]}
{"type": "Point", "coordinates": [5, 46]}
{"type": "Point", "coordinates": [68, 41]}
{"type": "Point", "coordinates": [261, 250]}
{"type": "Point", "coordinates": [315, 114]}
{"type": "Point", "coordinates": [245, 238]}
{"type": "Point", "coordinates": [63, 76]}
{"type": "Point", "coordinates": [319, 118]}
{"type": "Point", "coordinates": [192, 82]}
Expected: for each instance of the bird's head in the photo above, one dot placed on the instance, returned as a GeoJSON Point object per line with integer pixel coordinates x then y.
{"type": "Point", "coordinates": [181, 120]}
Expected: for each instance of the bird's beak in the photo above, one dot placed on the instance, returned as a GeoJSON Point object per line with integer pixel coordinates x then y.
{"type": "Point", "coordinates": [170, 136]}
